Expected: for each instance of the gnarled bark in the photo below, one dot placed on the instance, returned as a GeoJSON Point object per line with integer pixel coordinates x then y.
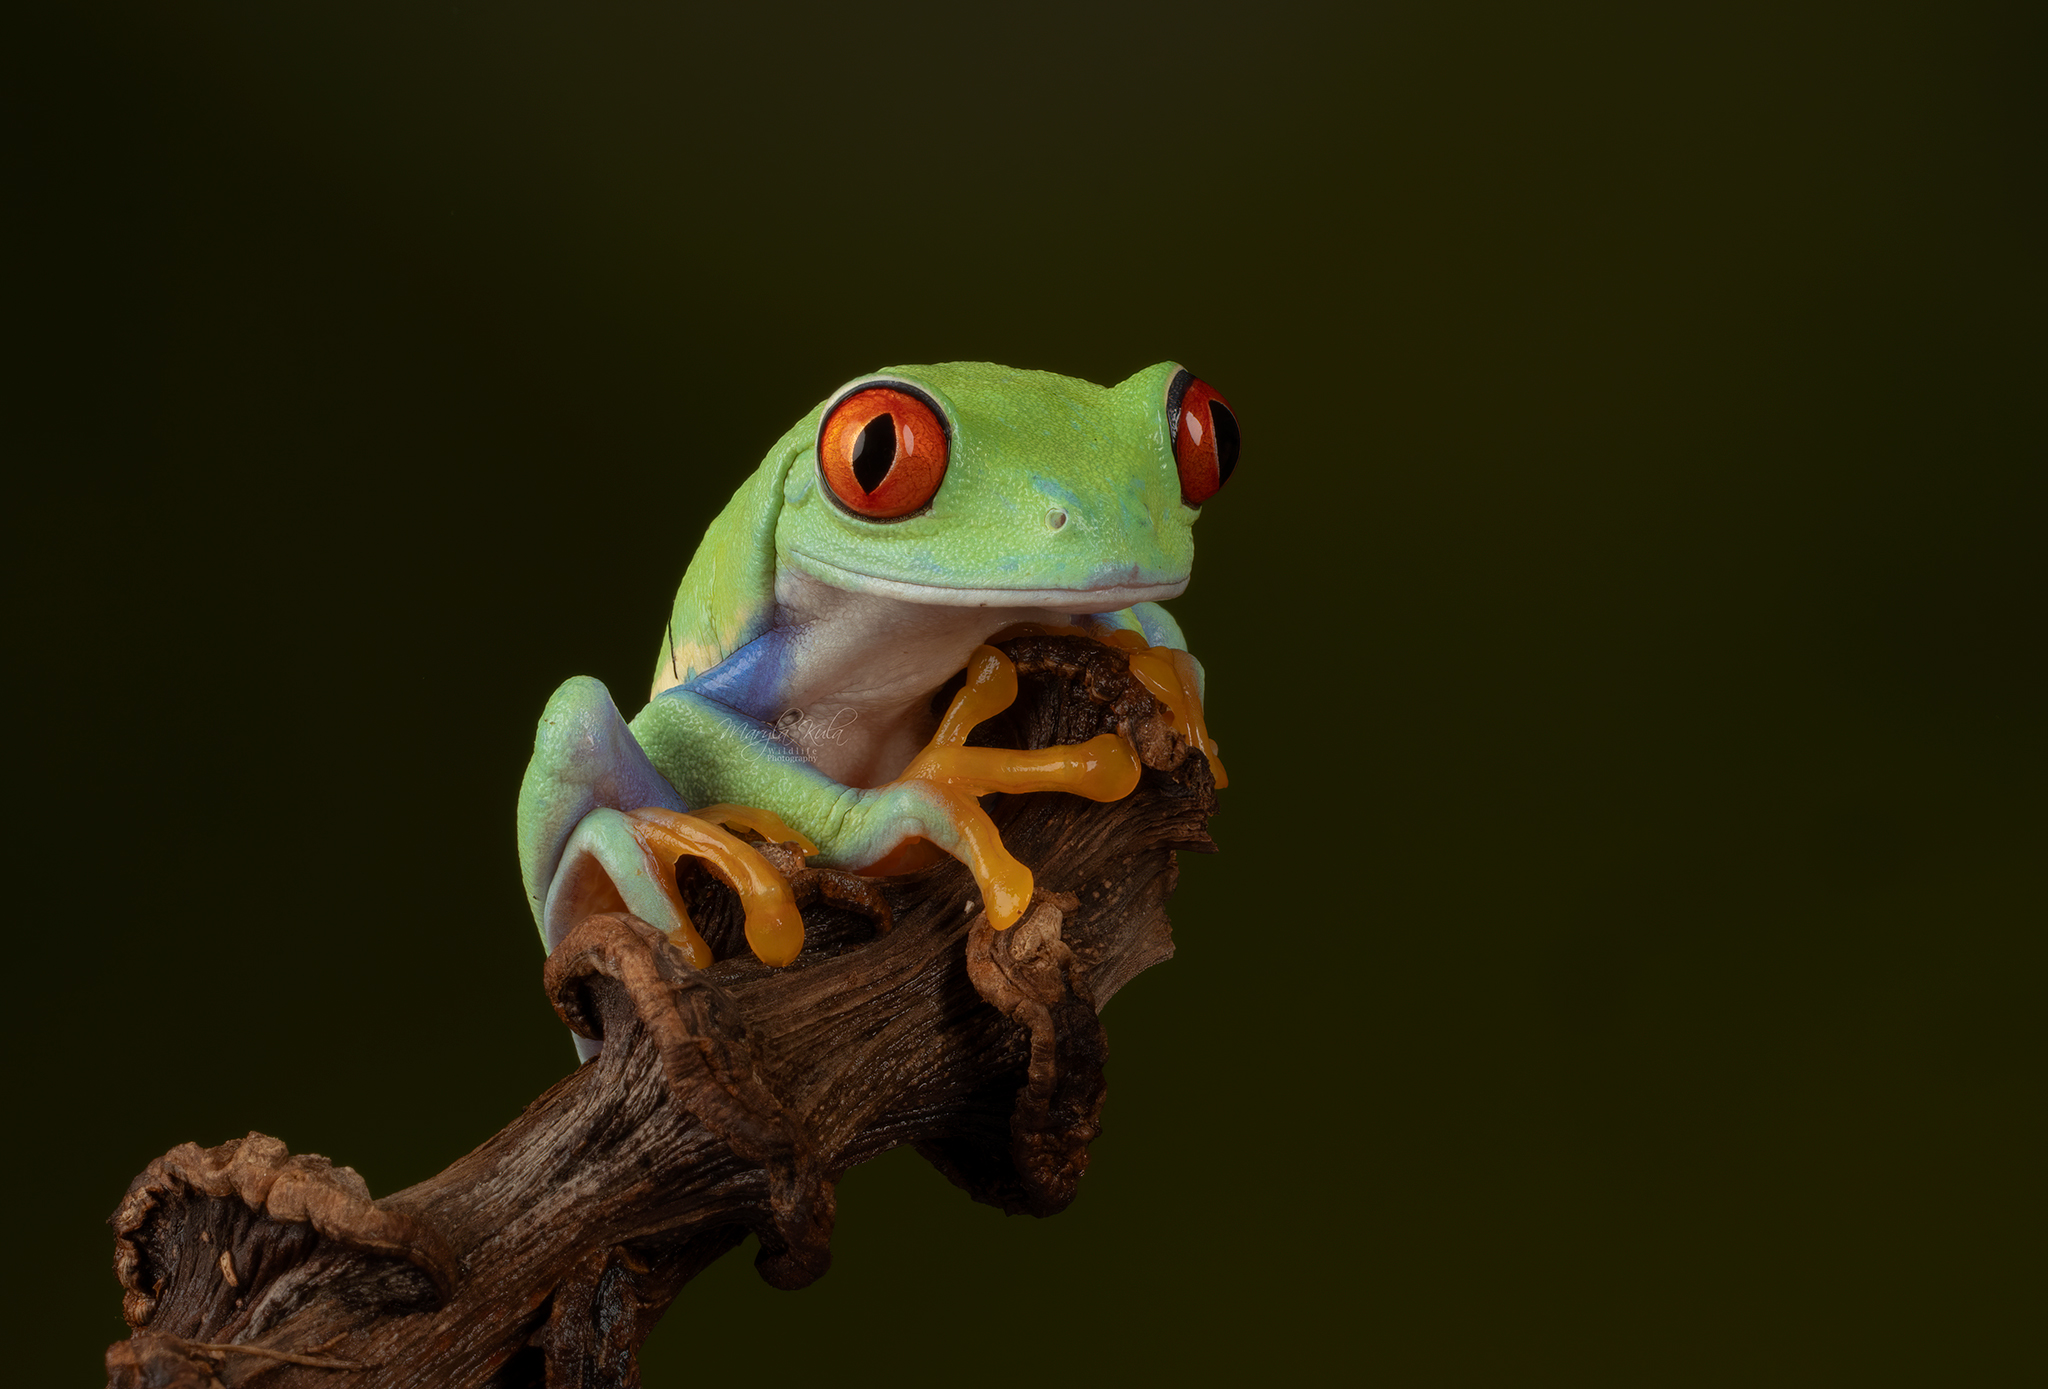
{"type": "Point", "coordinates": [725, 1102]}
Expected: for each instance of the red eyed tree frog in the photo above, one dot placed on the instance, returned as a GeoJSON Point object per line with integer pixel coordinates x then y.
{"type": "Point", "coordinates": [885, 537]}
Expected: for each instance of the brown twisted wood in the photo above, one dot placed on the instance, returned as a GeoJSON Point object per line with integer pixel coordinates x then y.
{"type": "Point", "coordinates": [725, 1102]}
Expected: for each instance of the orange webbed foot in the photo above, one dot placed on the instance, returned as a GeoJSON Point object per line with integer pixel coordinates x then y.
{"type": "Point", "coordinates": [1105, 768]}
{"type": "Point", "coordinates": [1168, 672]}
{"type": "Point", "coordinates": [775, 929]}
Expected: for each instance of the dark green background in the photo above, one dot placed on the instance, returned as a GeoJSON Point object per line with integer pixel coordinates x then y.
{"type": "Point", "coordinates": [1625, 962]}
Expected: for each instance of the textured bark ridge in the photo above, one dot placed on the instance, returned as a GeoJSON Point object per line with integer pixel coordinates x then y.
{"type": "Point", "coordinates": [725, 1102]}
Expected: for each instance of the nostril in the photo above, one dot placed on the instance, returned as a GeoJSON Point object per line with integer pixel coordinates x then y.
{"type": "Point", "coordinates": [1055, 519]}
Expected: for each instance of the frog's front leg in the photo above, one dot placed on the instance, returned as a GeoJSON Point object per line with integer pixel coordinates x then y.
{"type": "Point", "coordinates": [1105, 768]}
{"type": "Point", "coordinates": [712, 751]}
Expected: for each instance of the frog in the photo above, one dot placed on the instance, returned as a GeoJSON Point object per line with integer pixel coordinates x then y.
{"type": "Point", "coordinates": [913, 514]}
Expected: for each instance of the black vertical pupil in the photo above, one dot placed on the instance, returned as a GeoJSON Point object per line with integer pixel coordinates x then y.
{"type": "Point", "coordinates": [874, 451]}
{"type": "Point", "coordinates": [1225, 425]}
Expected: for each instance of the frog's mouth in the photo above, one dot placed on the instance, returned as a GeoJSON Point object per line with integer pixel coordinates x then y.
{"type": "Point", "coordinates": [1106, 598]}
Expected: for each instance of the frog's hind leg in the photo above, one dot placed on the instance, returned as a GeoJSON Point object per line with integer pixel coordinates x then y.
{"type": "Point", "coordinates": [600, 830]}
{"type": "Point", "coordinates": [608, 866]}
{"type": "Point", "coordinates": [584, 759]}
{"type": "Point", "coordinates": [626, 861]}
{"type": "Point", "coordinates": [775, 929]}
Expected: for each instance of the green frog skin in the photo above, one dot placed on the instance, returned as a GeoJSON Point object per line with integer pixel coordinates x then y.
{"type": "Point", "coordinates": [885, 537]}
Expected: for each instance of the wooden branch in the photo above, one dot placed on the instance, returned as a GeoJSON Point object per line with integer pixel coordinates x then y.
{"type": "Point", "coordinates": [724, 1102]}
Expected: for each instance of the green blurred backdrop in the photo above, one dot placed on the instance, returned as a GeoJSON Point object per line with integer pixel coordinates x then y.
{"type": "Point", "coordinates": [1625, 630]}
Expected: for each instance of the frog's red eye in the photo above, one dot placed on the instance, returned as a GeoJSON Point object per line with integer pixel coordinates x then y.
{"type": "Point", "coordinates": [1205, 438]}
{"type": "Point", "coordinates": [883, 453]}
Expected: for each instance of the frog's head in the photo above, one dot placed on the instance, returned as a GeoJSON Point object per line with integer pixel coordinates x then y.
{"type": "Point", "coordinates": [974, 485]}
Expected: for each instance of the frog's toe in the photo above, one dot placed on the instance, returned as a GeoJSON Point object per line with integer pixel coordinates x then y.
{"type": "Point", "coordinates": [775, 930]}
{"type": "Point", "coordinates": [626, 860]}
{"type": "Point", "coordinates": [952, 821]}
{"type": "Point", "coordinates": [608, 865]}
{"type": "Point", "coordinates": [1175, 679]}
{"type": "Point", "coordinates": [1105, 768]}
{"type": "Point", "coordinates": [949, 777]}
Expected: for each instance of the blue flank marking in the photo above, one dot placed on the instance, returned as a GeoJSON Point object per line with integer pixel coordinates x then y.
{"type": "Point", "coordinates": [750, 679]}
